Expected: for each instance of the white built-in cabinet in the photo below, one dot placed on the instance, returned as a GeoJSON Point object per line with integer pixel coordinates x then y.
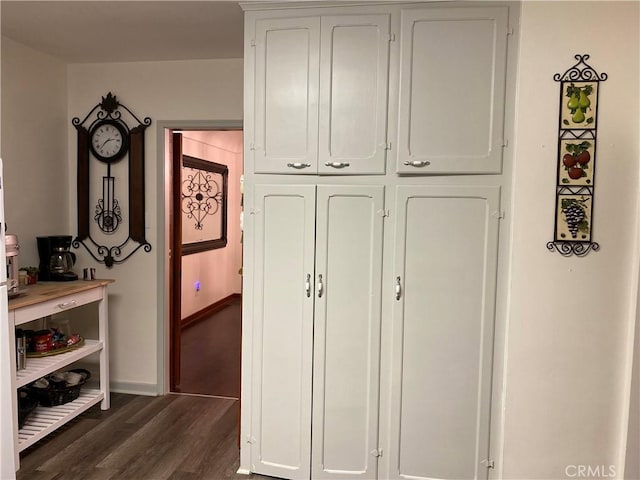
{"type": "Point", "coordinates": [318, 268]}
{"type": "Point", "coordinates": [321, 92]}
{"type": "Point", "coordinates": [370, 295]}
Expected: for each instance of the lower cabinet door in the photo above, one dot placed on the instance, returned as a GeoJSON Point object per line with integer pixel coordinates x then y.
{"type": "Point", "coordinates": [443, 326]}
{"type": "Point", "coordinates": [284, 224]}
{"type": "Point", "coordinates": [349, 229]}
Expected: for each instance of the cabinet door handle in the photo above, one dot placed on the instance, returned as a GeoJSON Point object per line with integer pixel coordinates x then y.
{"type": "Point", "coordinates": [398, 288]}
{"type": "Point", "coordinates": [417, 163]}
{"type": "Point", "coordinates": [337, 164]}
{"type": "Point", "coordinates": [307, 285]}
{"type": "Point", "coordinates": [320, 286]}
{"type": "Point", "coordinates": [64, 306]}
{"type": "Point", "coordinates": [298, 165]}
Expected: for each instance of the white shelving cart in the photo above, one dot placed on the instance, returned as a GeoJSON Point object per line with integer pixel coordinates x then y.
{"type": "Point", "coordinates": [42, 300]}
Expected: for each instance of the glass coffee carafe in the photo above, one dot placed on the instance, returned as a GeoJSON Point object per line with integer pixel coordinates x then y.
{"type": "Point", "coordinates": [61, 261]}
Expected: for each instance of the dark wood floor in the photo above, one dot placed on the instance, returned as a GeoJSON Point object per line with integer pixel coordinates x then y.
{"type": "Point", "coordinates": [210, 354]}
{"type": "Point", "coordinates": [177, 437]}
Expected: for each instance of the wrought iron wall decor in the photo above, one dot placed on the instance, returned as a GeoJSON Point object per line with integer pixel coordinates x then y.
{"type": "Point", "coordinates": [578, 121]}
{"type": "Point", "coordinates": [204, 204]}
{"type": "Point", "coordinates": [105, 136]}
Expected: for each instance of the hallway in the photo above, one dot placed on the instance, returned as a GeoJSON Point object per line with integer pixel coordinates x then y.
{"type": "Point", "coordinates": [210, 354]}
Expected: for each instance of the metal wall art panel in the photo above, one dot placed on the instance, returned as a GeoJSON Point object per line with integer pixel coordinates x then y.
{"type": "Point", "coordinates": [203, 204]}
{"type": "Point", "coordinates": [576, 157]}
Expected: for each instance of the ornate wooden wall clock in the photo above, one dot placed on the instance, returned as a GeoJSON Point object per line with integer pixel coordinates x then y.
{"type": "Point", "coordinates": [105, 136]}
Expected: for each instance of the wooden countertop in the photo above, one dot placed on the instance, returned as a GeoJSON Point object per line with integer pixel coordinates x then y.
{"type": "Point", "coordinates": [43, 291]}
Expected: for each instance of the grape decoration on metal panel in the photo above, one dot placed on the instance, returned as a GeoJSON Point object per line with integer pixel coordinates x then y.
{"type": "Point", "coordinates": [576, 158]}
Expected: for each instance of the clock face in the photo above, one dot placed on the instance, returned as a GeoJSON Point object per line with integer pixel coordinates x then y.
{"type": "Point", "coordinates": [108, 141]}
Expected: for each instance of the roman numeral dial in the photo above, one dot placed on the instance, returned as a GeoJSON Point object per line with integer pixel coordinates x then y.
{"type": "Point", "coordinates": [109, 140]}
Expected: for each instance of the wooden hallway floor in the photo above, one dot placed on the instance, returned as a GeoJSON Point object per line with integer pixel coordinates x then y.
{"type": "Point", "coordinates": [177, 437]}
{"type": "Point", "coordinates": [210, 354]}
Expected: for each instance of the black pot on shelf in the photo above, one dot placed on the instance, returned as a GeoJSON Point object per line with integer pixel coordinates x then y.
{"type": "Point", "coordinates": [27, 403]}
{"type": "Point", "coordinates": [56, 394]}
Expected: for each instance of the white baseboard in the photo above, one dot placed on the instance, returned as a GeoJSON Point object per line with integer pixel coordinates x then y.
{"type": "Point", "coordinates": [148, 389]}
{"type": "Point", "coordinates": [243, 471]}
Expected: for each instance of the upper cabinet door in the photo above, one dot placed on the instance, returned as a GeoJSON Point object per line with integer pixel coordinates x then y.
{"type": "Point", "coordinates": [452, 89]}
{"type": "Point", "coordinates": [286, 95]}
{"type": "Point", "coordinates": [354, 71]}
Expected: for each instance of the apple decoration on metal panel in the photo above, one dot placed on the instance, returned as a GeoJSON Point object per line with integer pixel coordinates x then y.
{"type": "Point", "coordinates": [579, 88]}
{"type": "Point", "coordinates": [105, 136]}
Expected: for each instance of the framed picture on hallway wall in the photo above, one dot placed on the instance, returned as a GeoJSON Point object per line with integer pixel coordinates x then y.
{"type": "Point", "coordinates": [203, 205]}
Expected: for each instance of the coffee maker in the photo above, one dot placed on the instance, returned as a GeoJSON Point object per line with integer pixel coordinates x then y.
{"type": "Point", "coordinates": [56, 260]}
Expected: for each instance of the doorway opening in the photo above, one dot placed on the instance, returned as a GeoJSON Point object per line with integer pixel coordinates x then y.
{"type": "Point", "coordinates": [205, 256]}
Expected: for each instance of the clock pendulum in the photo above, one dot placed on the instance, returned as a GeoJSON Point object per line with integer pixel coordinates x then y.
{"type": "Point", "coordinates": [109, 144]}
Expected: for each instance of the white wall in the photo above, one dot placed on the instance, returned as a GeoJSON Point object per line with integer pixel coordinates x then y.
{"type": "Point", "coordinates": [34, 146]}
{"type": "Point", "coordinates": [181, 90]}
{"type": "Point", "coordinates": [35, 181]}
{"type": "Point", "coordinates": [217, 271]}
{"type": "Point", "coordinates": [569, 318]}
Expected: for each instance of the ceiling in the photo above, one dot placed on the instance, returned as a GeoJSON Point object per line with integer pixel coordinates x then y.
{"type": "Point", "coordinates": [88, 31]}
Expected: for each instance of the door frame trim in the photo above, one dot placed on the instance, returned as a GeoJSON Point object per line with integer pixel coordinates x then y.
{"type": "Point", "coordinates": [163, 200]}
